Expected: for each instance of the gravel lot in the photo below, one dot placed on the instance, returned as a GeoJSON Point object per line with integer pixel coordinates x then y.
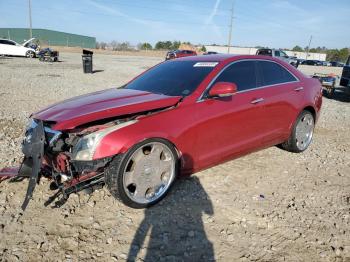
{"type": "Point", "coordinates": [268, 206]}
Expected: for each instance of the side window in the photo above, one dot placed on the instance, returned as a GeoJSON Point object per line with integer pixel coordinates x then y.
{"type": "Point", "coordinates": [240, 73]}
{"type": "Point", "coordinates": [277, 53]}
{"type": "Point", "coordinates": [348, 62]}
{"type": "Point", "coordinates": [272, 73]}
{"type": "Point", "coordinates": [6, 42]}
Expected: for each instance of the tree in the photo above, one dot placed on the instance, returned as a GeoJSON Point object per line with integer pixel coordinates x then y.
{"type": "Point", "coordinates": [176, 45]}
{"type": "Point", "coordinates": [144, 46]}
{"type": "Point", "coordinates": [338, 55]}
{"type": "Point", "coordinates": [297, 49]}
{"type": "Point", "coordinates": [203, 49]}
{"type": "Point", "coordinates": [102, 45]}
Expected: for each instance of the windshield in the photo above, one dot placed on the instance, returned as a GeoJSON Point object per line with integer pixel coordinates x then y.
{"type": "Point", "coordinates": [283, 53]}
{"type": "Point", "coordinates": [173, 78]}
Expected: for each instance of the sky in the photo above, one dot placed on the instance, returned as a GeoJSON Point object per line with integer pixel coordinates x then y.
{"type": "Point", "coordinates": [273, 23]}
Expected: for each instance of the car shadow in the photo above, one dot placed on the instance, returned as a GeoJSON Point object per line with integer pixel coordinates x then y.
{"type": "Point", "coordinates": [173, 230]}
{"type": "Point", "coordinates": [341, 94]}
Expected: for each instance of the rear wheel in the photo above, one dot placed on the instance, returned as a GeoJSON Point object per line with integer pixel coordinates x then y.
{"type": "Point", "coordinates": [144, 175]}
{"type": "Point", "coordinates": [302, 133]}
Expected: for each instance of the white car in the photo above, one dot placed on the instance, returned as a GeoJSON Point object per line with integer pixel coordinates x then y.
{"type": "Point", "coordinates": [11, 48]}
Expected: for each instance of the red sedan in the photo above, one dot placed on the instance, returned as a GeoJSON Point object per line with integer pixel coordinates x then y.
{"type": "Point", "coordinates": [178, 117]}
{"type": "Point", "coordinates": [179, 53]}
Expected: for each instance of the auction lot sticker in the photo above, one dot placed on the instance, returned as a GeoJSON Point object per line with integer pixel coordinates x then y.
{"type": "Point", "coordinates": [205, 64]}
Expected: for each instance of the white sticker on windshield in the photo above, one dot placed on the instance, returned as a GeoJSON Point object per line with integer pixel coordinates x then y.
{"type": "Point", "coordinates": [205, 64]}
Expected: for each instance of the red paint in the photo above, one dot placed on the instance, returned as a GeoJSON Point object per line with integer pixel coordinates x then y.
{"type": "Point", "coordinates": [222, 89]}
{"type": "Point", "coordinates": [204, 132]}
{"type": "Point", "coordinates": [103, 104]}
{"type": "Point", "coordinates": [8, 172]}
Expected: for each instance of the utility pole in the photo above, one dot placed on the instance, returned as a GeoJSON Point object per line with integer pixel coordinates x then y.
{"type": "Point", "coordinates": [30, 19]}
{"type": "Point", "coordinates": [230, 31]}
{"type": "Point", "coordinates": [308, 48]}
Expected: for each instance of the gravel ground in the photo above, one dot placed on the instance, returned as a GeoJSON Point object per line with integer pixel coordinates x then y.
{"type": "Point", "coordinates": [267, 206]}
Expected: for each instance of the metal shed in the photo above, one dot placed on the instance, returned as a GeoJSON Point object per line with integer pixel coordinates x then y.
{"type": "Point", "coordinates": [49, 37]}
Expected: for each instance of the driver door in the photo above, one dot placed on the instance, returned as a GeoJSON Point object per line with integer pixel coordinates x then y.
{"type": "Point", "coordinates": [231, 126]}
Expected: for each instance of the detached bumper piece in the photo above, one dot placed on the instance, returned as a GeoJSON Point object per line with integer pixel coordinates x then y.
{"type": "Point", "coordinates": [33, 149]}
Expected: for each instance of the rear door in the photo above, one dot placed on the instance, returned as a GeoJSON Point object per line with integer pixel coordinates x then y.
{"type": "Point", "coordinates": [4, 47]}
{"type": "Point", "coordinates": [283, 95]}
{"type": "Point", "coordinates": [345, 77]}
{"type": "Point", "coordinates": [9, 47]}
{"type": "Point", "coordinates": [230, 126]}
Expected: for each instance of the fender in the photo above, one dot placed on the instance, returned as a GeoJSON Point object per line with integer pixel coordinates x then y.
{"type": "Point", "coordinates": [120, 142]}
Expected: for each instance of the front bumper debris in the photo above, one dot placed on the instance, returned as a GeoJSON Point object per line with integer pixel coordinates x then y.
{"type": "Point", "coordinates": [33, 150]}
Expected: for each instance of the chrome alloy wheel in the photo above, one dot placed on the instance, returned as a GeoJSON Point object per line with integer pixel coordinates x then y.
{"type": "Point", "coordinates": [149, 172]}
{"type": "Point", "coordinates": [304, 131]}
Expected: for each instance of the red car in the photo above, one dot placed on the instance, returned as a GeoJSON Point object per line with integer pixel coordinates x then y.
{"type": "Point", "coordinates": [178, 117]}
{"type": "Point", "coordinates": [179, 53]}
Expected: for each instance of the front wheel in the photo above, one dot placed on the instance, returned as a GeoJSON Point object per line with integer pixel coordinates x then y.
{"type": "Point", "coordinates": [30, 54]}
{"type": "Point", "coordinates": [302, 133]}
{"type": "Point", "coordinates": [143, 176]}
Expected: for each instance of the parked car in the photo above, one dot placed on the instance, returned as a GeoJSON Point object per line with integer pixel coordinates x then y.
{"type": "Point", "coordinates": [345, 77]}
{"type": "Point", "coordinates": [179, 53]}
{"type": "Point", "coordinates": [210, 53]}
{"type": "Point", "coordinates": [312, 62]}
{"type": "Point", "coordinates": [337, 64]}
{"type": "Point", "coordinates": [278, 54]}
{"type": "Point", "coordinates": [11, 48]}
{"type": "Point", "coordinates": [177, 118]}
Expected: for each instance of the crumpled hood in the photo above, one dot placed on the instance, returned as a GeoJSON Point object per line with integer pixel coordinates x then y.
{"type": "Point", "coordinates": [108, 103]}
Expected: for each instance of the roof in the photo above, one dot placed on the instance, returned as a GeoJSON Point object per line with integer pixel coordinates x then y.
{"type": "Point", "coordinates": [207, 58]}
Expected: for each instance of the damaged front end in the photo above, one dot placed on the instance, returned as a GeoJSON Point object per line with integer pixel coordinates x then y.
{"type": "Point", "coordinates": [64, 157]}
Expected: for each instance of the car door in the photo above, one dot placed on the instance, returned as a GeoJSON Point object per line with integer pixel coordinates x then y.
{"type": "Point", "coordinates": [10, 47]}
{"type": "Point", "coordinates": [283, 94]}
{"type": "Point", "coordinates": [4, 47]}
{"type": "Point", "coordinates": [230, 126]}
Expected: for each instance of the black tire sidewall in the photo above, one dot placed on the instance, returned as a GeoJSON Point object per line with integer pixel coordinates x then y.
{"type": "Point", "coordinates": [115, 179]}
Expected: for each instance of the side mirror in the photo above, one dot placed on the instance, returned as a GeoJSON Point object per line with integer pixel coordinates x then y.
{"type": "Point", "coordinates": [222, 89]}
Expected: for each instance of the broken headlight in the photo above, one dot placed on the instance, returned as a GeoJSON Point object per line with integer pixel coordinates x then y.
{"type": "Point", "coordinates": [85, 148]}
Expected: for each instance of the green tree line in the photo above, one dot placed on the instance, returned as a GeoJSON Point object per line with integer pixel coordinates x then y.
{"type": "Point", "coordinates": [339, 55]}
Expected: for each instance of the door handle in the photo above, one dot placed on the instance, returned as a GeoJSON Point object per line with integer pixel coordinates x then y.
{"type": "Point", "coordinates": [256, 101]}
{"type": "Point", "coordinates": [298, 89]}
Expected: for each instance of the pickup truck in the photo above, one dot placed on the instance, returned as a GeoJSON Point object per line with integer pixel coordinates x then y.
{"type": "Point", "coordinates": [345, 77]}
{"type": "Point", "coordinates": [278, 54]}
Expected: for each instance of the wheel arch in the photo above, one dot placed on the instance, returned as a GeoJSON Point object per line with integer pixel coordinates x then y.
{"type": "Point", "coordinates": [312, 110]}
{"type": "Point", "coordinates": [111, 146]}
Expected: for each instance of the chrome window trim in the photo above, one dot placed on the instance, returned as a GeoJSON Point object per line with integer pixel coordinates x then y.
{"type": "Point", "coordinates": [203, 98]}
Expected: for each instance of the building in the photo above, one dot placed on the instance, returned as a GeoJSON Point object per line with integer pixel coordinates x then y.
{"type": "Point", "coordinates": [48, 37]}
{"type": "Point", "coordinates": [252, 51]}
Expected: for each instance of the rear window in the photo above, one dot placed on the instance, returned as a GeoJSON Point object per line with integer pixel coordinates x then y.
{"type": "Point", "coordinates": [272, 73]}
{"type": "Point", "coordinates": [173, 78]}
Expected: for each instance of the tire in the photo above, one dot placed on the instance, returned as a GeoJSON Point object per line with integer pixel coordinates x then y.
{"type": "Point", "coordinates": [120, 168]}
{"type": "Point", "coordinates": [30, 54]}
{"type": "Point", "coordinates": [294, 143]}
